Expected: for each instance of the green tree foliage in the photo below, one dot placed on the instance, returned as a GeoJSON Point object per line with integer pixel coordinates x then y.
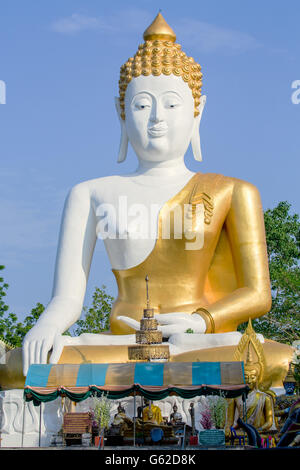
{"type": "Point", "coordinates": [282, 323]}
{"type": "Point", "coordinates": [11, 329]}
{"type": "Point", "coordinates": [95, 318]}
{"type": "Point", "coordinates": [3, 288]}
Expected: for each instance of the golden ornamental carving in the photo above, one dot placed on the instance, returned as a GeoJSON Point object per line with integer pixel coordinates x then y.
{"type": "Point", "coordinates": [148, 324]}
{"type": "Point", "coordinates": [149, 345]}
{"type": "Point", "coordinates": [161, 55]}
{"type": "Point", "coordinates": [250, 350]}
{"type": "Point", "coordinates": [148, 352]}
{"type": "Point", "coordinates": [148, 337]}
{"type": "Point", "coordinates": [201, 198]}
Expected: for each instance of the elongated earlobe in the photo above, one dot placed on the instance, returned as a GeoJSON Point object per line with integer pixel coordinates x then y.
{"type": "Point", "coordinates": [195, 140]}
{"type": "Point", "coordinates": [124, 139]}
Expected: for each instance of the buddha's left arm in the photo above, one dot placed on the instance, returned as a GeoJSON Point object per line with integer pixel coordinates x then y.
{"type": "Point", "coordinates": [246, 233]}
{"type": "Point", "coordinates": [269, 414]}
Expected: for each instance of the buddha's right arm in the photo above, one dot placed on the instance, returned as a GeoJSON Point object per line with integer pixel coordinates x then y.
{"type": "Point", "coordinates": [75, 250]}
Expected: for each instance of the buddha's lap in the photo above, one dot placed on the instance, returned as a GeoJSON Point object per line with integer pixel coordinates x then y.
{"type": "Point", "coordinates": [277, 356]}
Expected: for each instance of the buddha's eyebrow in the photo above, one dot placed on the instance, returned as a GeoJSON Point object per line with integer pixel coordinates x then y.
{"type": "Point", "coordinates": [143, 93]}
{"type": "Point", "coordinates": [164, 93]}
{"type": "Point", "coordinates": [171, 92]}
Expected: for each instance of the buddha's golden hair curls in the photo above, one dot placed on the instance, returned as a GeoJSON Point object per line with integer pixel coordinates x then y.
{"type": "Point", "coordinates": [161, 57]}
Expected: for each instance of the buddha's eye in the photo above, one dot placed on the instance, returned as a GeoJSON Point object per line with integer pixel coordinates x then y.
{"type": "Point", "coordinates": [171, 101]}
{"type": "Point", "coordinates": [142, 104]}
{"type": "Point", "coordinates": [171, 105]}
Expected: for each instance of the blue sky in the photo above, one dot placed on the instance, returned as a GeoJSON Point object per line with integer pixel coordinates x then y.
{"type": "Point", "coordinates": [60, 61]}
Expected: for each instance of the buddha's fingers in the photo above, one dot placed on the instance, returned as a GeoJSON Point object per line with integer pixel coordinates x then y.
{"type": "Point", "coordinates": [46, 346]}
{"type": "Point", "coordinates": [171, 318]}
{"type": "Point", "coordinates": [168, 330]}
{"type": "Point", "coordinates": [60, 342]}
{"type": "Point", "coordinates": [130, 322]}
{"type": "Point", "coordinates": [25, 358]}
{"type": "Point", "coordinates": [37, 352]}
{"type": "Point", "coordinates": [31, 352]}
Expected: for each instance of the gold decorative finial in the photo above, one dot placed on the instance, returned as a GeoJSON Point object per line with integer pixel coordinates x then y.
{"type": "Point", "coordinates": [290, 375]}
{"type": "Point", "coordinates": [159, 30]}
{"type": "Point", "coordinates": [249, 360]}
{"type": "Point", "coordinates": [147, 290]}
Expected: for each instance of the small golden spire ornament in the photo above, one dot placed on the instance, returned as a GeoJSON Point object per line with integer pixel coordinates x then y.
{"type": "Point", "coordinates": [149, 345]}
{"type": "Point", "coordinates": [290, 374]}
{"type": "Point", "coordinates": [159, 30]}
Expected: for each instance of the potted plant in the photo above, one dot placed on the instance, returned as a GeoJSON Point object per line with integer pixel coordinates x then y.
{"type": "Point", "coordinates": [101, 413]}
{"type": "Point", "coordinates": [213, 421]}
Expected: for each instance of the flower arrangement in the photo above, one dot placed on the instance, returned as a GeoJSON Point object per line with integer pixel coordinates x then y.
{"type": "Point", "coordinates": [214, 413]}
{"type": "Point", "coordinates": [206, 420]}
{"type": "Point", "coordinates": [218, 408]}
{"type": "Point", "coordinates": [101, 411]}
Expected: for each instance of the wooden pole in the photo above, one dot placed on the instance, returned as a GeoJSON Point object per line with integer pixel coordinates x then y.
{"type": "Point", "coordinates": [23, 424]}
{"type": "Point", "coordinates": [40, 425]}
{"type": "Point", "coordinates": [134, 406]}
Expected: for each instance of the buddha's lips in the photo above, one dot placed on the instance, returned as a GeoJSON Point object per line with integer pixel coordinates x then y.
{"type": "Point", "coordinates": [158, 130]}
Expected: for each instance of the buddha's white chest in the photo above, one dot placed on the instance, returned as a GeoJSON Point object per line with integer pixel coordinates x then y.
{"type": "Point", "coordinates": [127, 218]}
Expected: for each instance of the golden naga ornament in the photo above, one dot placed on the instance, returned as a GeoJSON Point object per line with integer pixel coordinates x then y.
{"type": "Point", "coordinates": [159, 54]}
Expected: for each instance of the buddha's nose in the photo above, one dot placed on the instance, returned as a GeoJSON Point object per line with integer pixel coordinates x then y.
{"type": "Point", "coordinates": [156, 113]}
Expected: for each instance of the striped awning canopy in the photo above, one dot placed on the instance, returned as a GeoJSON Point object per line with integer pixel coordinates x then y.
{"type": "Point", "coordinates": [154, 380]}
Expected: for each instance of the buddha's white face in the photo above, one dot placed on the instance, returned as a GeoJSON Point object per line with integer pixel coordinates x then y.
{"type": "Point", "coordinates": [159, 117]}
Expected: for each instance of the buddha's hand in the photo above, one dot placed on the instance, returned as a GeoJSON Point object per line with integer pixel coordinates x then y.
{"type": "Point", "coordinates": [38, 342]}
{"type": "Point", "coordinates": [172, 323]}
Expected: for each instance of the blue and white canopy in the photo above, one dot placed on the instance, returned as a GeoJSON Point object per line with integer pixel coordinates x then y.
{"type": "Point", "coordinates": [155, 380]}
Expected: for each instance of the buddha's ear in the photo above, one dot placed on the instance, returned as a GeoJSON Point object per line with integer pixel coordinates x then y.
{"type": "Point", "coordinates": [195, 140]}
{"type": "Point", "coordinates": [124, 139]}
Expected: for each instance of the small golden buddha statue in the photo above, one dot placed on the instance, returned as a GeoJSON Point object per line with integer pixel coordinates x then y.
{"type": "Point", "coordinates": [152, 414]}
{"type": "Point", "coordinates": [259, 406]}
{"type": "Point", "coordinates": [121, 421]}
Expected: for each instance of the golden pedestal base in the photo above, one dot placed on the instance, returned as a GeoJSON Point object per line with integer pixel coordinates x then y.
{"type": "Point", "coordinates": [140, 352]}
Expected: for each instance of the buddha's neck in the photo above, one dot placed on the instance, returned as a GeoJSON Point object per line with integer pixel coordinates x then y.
{"type": "Point", "coordinates": [173, 169]}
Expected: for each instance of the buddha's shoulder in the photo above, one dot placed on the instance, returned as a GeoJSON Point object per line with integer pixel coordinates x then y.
{"type": "Point", "coordinates": [89, 187]}
{"type": "Point", "coordinates": [232, 184]}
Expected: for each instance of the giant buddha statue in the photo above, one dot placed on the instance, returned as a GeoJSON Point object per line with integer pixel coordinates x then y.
{"type": "Point", "coordinates": [200, 237]}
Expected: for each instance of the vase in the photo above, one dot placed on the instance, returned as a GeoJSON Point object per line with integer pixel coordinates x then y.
{"type": "Point", "coordinates": [98, 441]}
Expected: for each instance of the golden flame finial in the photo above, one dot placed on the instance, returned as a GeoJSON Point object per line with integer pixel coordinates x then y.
{"type": "Point", "coordinates": [147, 290]}
{"type": "Point", "coordinates": [159, 29]}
